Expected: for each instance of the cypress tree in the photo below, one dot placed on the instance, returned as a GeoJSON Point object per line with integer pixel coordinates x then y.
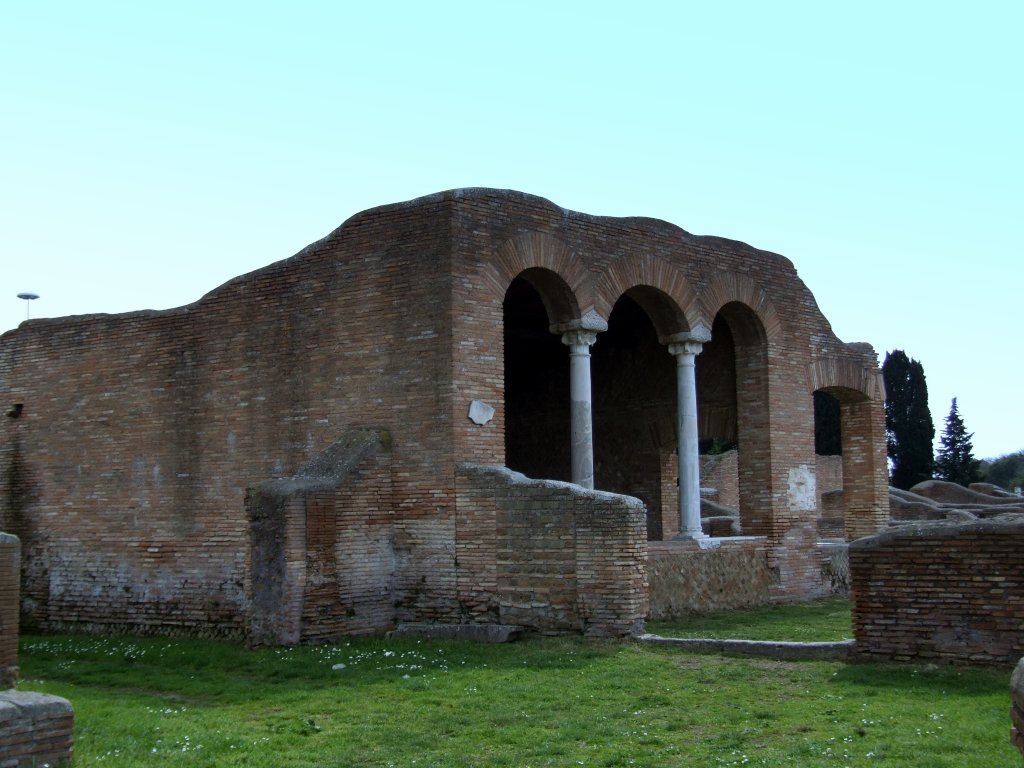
{"type": "Point", "coordinates": [908, 420]}
{"type": "Point", "coordinates": [955, 462]}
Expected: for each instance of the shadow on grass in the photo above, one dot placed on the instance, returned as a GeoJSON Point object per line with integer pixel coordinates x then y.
{"type": "Point", "coordinates": [927, 678]}
{"type": "Point", "coordinates": [225, 673]}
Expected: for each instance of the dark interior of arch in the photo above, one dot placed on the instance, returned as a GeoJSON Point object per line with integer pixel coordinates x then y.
{"type": "Point", "coordinates": [537, 431]}
{"type": "Point", "coordinates": [716, 390]}
{"type": "Point", "coordinates": [828, 429]}
{"type": "Point", "coordinates": [634, 401]}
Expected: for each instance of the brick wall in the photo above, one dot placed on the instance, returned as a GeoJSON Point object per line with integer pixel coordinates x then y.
{"type": "Point", "coordinates": [720, 471]}
{"type": "Point", "coordinates": [323, 546]}
{"type": "Point", "coordinates": [35, 730]}
{"type": "Point", "coordinates": [686, 579]}
{"type": "Point", "coordinates": [560, 558]}
{"type": "Point", "coordinates": [940, 591]}
{"type": "Point", "coordinates": [126, 468]}
{"type": "Point", "coordinates": [10, 578]}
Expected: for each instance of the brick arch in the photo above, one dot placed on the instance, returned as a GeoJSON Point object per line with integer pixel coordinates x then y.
{"type": "Point", "coordinates": [567, 286]}
{"type": "Point", "coordinates": [729, 288]}
{"type": "Point", "coordinates": [845, 378]}
{"type": "Point", "coordinates": [636, 277]}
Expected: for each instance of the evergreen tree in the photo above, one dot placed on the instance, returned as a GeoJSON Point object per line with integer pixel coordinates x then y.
{"type": "Point", "coordinates": [908, 420]}
{"type": "Point", "coordinates": [955, 462]}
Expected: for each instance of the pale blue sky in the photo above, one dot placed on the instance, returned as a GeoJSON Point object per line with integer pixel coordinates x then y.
{"type": "Point", "coordinates": [153, 151]}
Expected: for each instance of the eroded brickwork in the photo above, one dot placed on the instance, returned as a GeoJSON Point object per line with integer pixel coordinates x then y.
{"type": "Point", "coordinates": [940, 591]}
{"type": "Point", "coordinates": [10, 578]}
{"type": "Point", "coordinates": [685, 579]}
{"type": "Point", "coordinates": [564, 559]}
{"type": "Point", "coordinates": [35, 730]}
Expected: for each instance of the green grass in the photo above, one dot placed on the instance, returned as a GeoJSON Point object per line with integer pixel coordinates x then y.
{"type": "Point", "coordinates": [804, 622]}
{"type": "Point", "coordinates": [540, 702]}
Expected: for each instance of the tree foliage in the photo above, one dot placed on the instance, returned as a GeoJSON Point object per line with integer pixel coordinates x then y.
{"type": "Point", "coordinates": [1005, 471]}
{"type": "Point", "coordinates": [955, 462]}
{"type": "Point", "coordinates": [908, 420]}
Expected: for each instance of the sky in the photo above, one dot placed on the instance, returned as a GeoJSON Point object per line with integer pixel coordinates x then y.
{"type": "Point", "coordinates": [152, 151]}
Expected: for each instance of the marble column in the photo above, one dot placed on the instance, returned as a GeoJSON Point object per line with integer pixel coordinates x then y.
{"type": "Point", "coordinates": [579, 342]}
{"type": "Point", "coordinates": [685, 347]}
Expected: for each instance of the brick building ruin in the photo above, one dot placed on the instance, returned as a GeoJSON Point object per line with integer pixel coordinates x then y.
{"type": "Point", "coordinates": [473, 407]}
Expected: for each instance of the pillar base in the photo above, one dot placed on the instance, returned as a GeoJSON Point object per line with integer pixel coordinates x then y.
{"type": "Point", "coordinates": [702, 540]}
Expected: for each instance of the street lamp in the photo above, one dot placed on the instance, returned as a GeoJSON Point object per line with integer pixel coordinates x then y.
{"type": "Point", "coordinates": [28, 296]}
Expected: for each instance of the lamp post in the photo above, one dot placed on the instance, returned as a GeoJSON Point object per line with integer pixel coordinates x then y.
{"type": "Point", "coordinates": [29, 297]}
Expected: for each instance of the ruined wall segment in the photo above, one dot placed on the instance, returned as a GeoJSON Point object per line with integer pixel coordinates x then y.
{"type": "Point", "coordinates": [940, 591]}
{"type": "Point", "coordinates": [561, 558]}
{"type": "Point", "coordinates": [10, 582]}
{"type": "Point", "coordinates": [139, 433]}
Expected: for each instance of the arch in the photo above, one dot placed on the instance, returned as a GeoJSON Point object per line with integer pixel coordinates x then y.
{"type": "Point", "coordinates": [733, 387]}
{"type": "Point", "coordinates": [549, 265]}
{"type": "Point", "coordinates": [536, 376]}
{"type": "Point", "coordinates": [659, 286]}
{"type": "Point", "coordinates": [863, 506]}
{"type": "Point", "coordinates": [845, 379]}
{"type": "Point", "coordinates": [558, 298]}
{"type": "Point", "coordinates": [731, 288]}
{"type": "Point", "coordinates": [634, 406]}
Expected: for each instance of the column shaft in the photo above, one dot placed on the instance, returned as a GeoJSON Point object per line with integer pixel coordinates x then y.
{"type": "Point", "coordinates": [580, 406]}
{"type": "Point", "coordinates": [685, 347]}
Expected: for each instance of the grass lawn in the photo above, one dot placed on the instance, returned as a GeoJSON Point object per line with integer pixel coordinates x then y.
{"type": "Point", "coordinates": [539, 702]}
{"type": "Point", "coordinates": [803, 622]}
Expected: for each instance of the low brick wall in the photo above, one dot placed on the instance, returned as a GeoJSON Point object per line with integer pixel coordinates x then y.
{"type": "Point", "coordinates": [686, 579]}
{"type": "Point", "coordinates": [35, 730]}
{"type": "Point", "coordinates": [1017, 707]}
{"type": "Point", "coordinates": [10, 570]}
{"type": "Point", "coordinates": [940, 591]}
{"type": "Point", "coordinates": [565, 559]}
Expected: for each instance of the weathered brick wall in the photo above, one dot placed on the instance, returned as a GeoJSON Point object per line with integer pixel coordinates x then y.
{"type": "Point", "coordinates": [773, 329]}
{"type": "Point", "coordinates": [686, 579]}
{"type": "Point", "coordinates": [940, 591]}
{"type": "Point", "coordinates": [35, 730]}
{"type": "Point", "coordinates": [323, 546]}
{"type": "Point", "coordinates": [1017, 707]}
{"type": "Point", "coordinates": [721, 472]}
{"type": "Point", "coordinates": [126, 468]}
{"type": "Point", "coordinates": [830, 473]}
{"type": "Point", "coordinates": [564, 559]}
{"type": "Point", "coordinates": [140, 433]}
{"type": "Point", "coordinates": [10, 578]}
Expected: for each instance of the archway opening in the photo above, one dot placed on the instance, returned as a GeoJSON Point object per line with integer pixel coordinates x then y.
{"type": "Point", "coordinates": [734, 423]}
{"type": "Point", "coordinates": [537, 427]}
{"type": "Point", "coordinates": [634, 412]}
{"type": "Point", "coordinates": [828, 453]}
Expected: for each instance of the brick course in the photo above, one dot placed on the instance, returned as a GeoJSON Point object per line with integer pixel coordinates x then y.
{"type": "Point", "coordinates": [940, 591]}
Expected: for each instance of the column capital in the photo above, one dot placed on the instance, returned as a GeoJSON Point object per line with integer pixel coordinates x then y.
{"type": "Point", "coordinates": [689, 342]}
{"type": "Point", "coordinates": [582, 331]}
{"type": "Point", "coordinates": [590, 322]}
{"type": "Point", "coordinates": [579, 338]}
